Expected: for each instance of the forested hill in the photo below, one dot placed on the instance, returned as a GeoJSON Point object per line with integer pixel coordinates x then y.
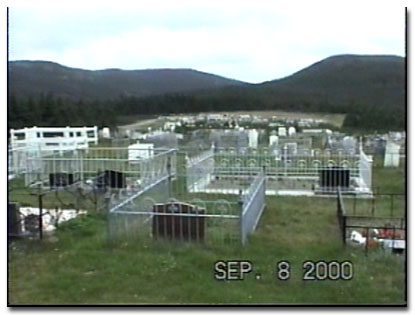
{"type": "Point", "coordinates": [346, 79]}
{"type": "Point", "coordinates": [31, 78]}
{"type": "Point", "coordinates": [369, 89]}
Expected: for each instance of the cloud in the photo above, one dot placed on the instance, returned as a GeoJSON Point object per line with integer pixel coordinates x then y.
{"type": "Point", "coordinates": [248, 43]}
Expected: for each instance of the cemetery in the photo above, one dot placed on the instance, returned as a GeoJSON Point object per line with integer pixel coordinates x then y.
{"type": "Point", "coordinates": [184, 199]}
{"type": "Point", "coordinates": [220, 178]}
{"type": "Point", "coordinates": [131, 182]}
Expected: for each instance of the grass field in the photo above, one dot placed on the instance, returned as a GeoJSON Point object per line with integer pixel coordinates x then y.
{"type": "Point", "coordinates": [77, 265]}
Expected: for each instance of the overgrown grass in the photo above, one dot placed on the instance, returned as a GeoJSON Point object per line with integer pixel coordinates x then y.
{"type": "Point", "coordinates": [79, 266]}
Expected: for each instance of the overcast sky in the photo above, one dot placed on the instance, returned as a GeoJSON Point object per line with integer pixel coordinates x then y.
{"type": "Point", "coordinates": [248, 43]}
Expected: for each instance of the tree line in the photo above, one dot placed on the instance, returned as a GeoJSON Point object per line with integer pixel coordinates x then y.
{"type": "Point", "coordinates": [48, 110]}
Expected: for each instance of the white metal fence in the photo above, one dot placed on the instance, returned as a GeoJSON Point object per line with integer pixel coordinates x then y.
{"type": "Point", "coordinates": [100, 167]}
{"type": "Point", "coordinates": [18, 159]}
{"type": "Point", "coordinates": [168, 209]}
{"type": "Point", "coordinates": [307, 172]}
{"type": "Point", "coordinates": [365, 172]}
{"type": "Point", "coordinates": [253, 205]}
{"type": "Point", "coordinates": [199, 170]}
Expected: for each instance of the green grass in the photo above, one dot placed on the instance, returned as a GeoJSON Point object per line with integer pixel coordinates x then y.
{"type": "Point", "coordinates": [389, 180]}
{"type": "Point", "coordinates": [79, 266]}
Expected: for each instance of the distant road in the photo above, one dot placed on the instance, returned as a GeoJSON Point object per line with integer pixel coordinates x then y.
{"type": "Point", "coordinates": [140, 123]}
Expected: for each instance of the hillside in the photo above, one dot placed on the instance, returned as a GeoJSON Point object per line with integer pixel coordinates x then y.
{"type": "Point", "coordinates": [369, 89]}
{"type": "Point", "coordinates": [347, 79]}
{"type": "Point", "coordinates": [30, 78]}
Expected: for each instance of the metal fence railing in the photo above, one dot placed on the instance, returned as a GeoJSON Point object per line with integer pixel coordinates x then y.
{"type": "Point", "coordinates": [199, 170]}
{"type": "Point", "coordinates": [113, 167]}
{"type": "Point", "coordinates": [341, 215]}
{"type": "Point", "coordinates": [253, 205]}
{"type": "Point", "coordinates": [373, 222]}
{"type": "Point", "coordinates": [20, 157]}
{"type": "Point", "coordinates": [167, 209]}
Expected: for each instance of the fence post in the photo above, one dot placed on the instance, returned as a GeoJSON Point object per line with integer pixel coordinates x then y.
{"type": "Point", "coordinates": [169, 175]}
{"type": "Point", "coordinates": [391, 204]}
{"type": "Point", "coordinates": [341, 216]}
{"type": "Point", "coordinates": [241, 208]}
{"type": "Point", "coordinates": [40, 196]}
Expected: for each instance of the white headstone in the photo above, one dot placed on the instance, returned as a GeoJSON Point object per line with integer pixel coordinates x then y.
{"type": "Point", "coordinates": [106, 133]}
{"type": "Point", "coordinates": [391, 154]}
{"type": "Point", "coordinates": [282, 131]}
{"type": "Point", "coordinates": [291, 131]}
{"type": "Point", "coordinates": [273, 140]}
{"type": "Point", "coordinates": [253, 138]}
{"type": "Point", "coordinates": [349, 144]}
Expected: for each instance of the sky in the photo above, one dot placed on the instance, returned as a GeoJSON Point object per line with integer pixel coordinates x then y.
{"type": "Point", "coordinates": [250, 41]}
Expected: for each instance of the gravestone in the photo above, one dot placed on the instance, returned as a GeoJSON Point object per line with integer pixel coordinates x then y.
{"type": "Point", "coordinates": [291, 131]}
{"type": "Point", "coordinates": [273, 140]}
{"type": "Point", "coordinates": [60, 179]}
{"type": "Point", "coordinates": [181, 227]}
{"type": "Point", "coordinates": [253, 138]}
{"type": "Point", "coordinates": [111, 179]}
{"type": "Point", "coordinates": [333, 177]}
{"type": "Point", "coordinates": [391, 154]}
{"type": "Point", "coordinates": [14, 226]}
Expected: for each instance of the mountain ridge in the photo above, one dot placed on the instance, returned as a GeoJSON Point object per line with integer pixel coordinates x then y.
{"type": "Point", "coordinates": [30, 78]}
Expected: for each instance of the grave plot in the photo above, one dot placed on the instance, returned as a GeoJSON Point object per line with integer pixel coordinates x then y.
{"type": "Point", "coordinates": [96, 174]}
{"type": "Point", "coordinates": [169, 210]}
{"type": "Point", "coordinates": [115, 168]}
{"type": "Point", "coordinates": [375, 222]}
{"type": "Point", "coordinates": [313, 172]}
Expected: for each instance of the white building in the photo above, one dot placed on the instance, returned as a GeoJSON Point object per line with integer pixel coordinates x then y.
{"type": "Point", "coordinates": [291, 131]}
{"type": "Point", "coordinates": [53, 138]}
{"type": "Point", "coordinates": [139, 151]}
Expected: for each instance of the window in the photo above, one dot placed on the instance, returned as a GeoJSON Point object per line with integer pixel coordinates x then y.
{"type": "Point", "coordinates": [52, 134]}
{"type": "Point", "coordinates": [38, 134]}
{"type": "Point", "coordinates": [71, 134]}
{"type": "Point", "coordinates": [78, 133]}
{"type": "Point", "coordinates": [90, 134]}
{"type": "Point", "coordinates": [20, 136]}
